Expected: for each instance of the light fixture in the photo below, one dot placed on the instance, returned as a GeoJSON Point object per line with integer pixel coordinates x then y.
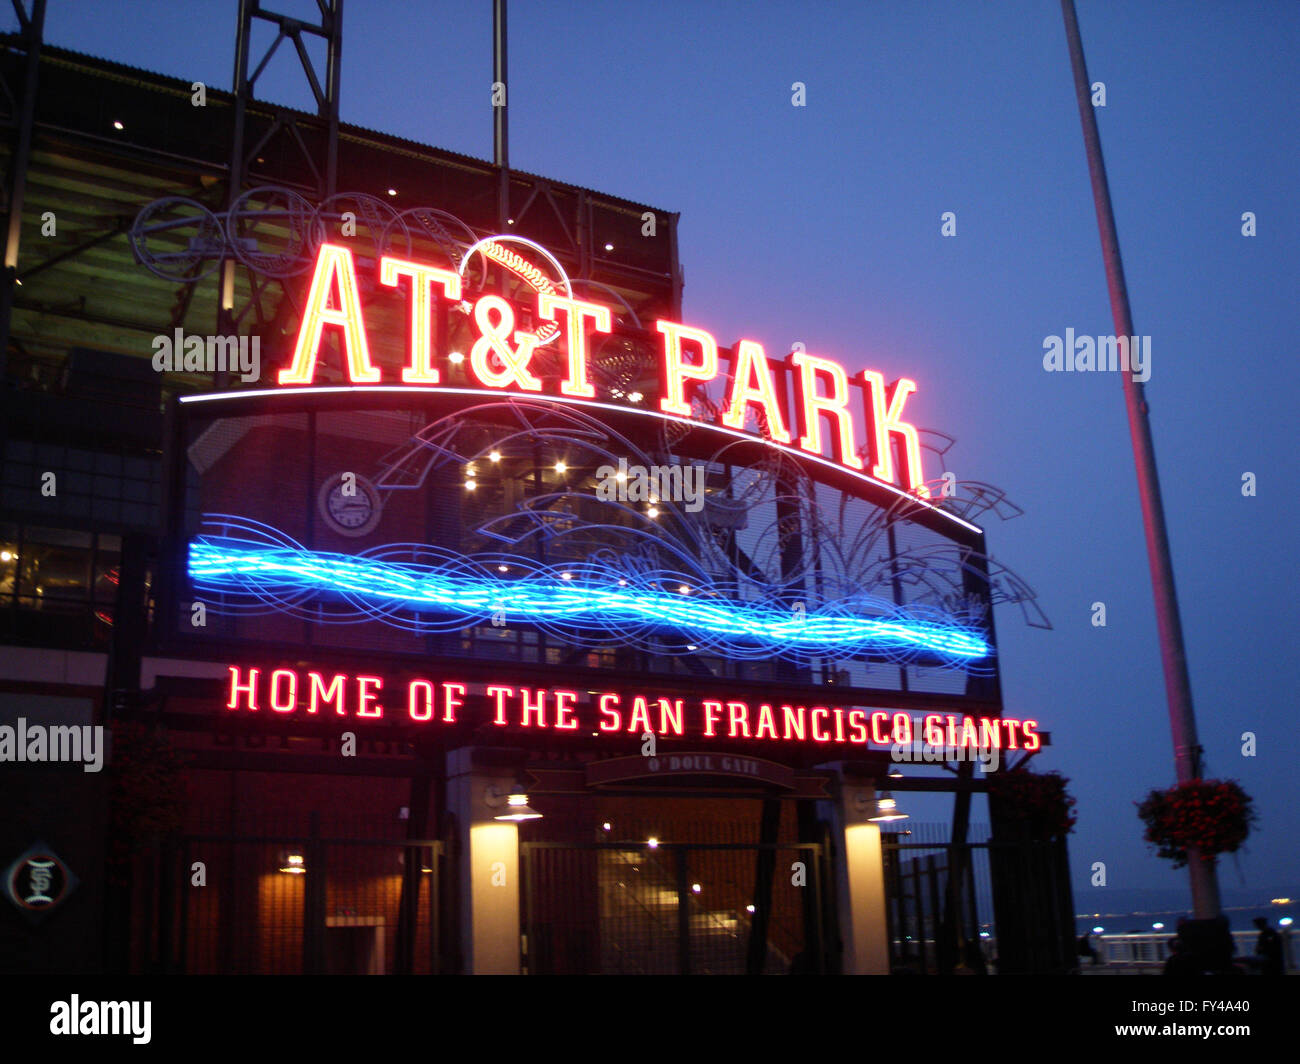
{"type": "Point", "coordinates": [470, 485]}
{"type": "Point", "coordinates": [470, 472]}
{"type": "Point", "coordinates": [1286, 921]}
{"type": "Point", "coordinates": [494, 456]}
{"type": "Point", "coordinates": [566, 576]}
{"type": "Point", "coordinates": [293, 864]}
{"type": "Point", "coordinates": [503, 568]}
{"type": "Point", "coordinates": [652, 512]}
{"type": "Point", "coordinates": [684, 589]}
{"type": "Point", "coordinates": [516, 804]}
{"type": "Point", "coordinates": [118, 126]}
{"type": "Point", "coordinates": [560, 467]}
{"type": "Point", "coordinates": [652, 842]}
{"type": "Point", "coordinates": [510, 221]}
{"type": "Point", "coordinates": [609, 247]}
{"type": "Point", "coordinates": [607, 826]}
{"type": "Point", "coordinates": [749, 908]}
{"type": "Point", "coordinates": [6, 556]}
{"type": "Point", "coordinates": [1157, 927]}
{"type": "Point", "coordinates": [887, 809]}
{"type": "Point", "coordinates": [691, 646]}
{"type": "Point", "coordinates": [392, 192]}
{"type": "Point", "coordinates": [696, 888]}
{"type": "Point", "coordinates": [1098, 930]}
{"type": "Point", "coordinates": [635, 397]}
{"type": "Point", "coordinates": [456, 358]}
{"type": "Point", "coordinates": [895, 773]}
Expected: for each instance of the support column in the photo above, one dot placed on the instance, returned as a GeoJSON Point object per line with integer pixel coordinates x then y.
{"type": "Point", "coordinates": [488, 865]}
{"type": "Point", "coordinates": [860, 880]}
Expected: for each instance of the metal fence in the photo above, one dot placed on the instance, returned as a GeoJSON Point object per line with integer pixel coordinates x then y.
{"type": "Point", "coordinates": [673, 908]}
{"type": "Point", "coordinates": [303, 904]}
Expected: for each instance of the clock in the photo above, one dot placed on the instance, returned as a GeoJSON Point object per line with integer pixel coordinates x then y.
{"type": "Point", "coordinates": [350, 504]}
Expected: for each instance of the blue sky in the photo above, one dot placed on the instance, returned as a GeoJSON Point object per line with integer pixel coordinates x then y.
{"type": "Point", "coordinates": [821, 224]}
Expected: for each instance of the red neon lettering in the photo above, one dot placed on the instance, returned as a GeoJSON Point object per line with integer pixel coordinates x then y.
{"type": "Point", "coordinates": [1033, 740]}
{"type": "Point", "coordinates": [423, 278]}
{"type": "Point", "coordinates": [818, 735]}
{"type": "Point", "coordinates": [609, 710]}
{"type": "Point", "coordinates": [990, 737]}
{"type": "Point", "coordinates": [1010, 726]}
{"type": "Point", "coordinates": [766, 722]}
{"type": "Point", "coordinates": [450, 702]}
{"type": "Point", "coordinates": [813, 407]}
{"type": "Point", "coordinates": [576, 383]}
{"type": "Point", "coordinates": [365, 697]}
{"type": "Point", "coordinates": [564, 718]}
{"type": "Point", "coordinates": [500, 694]}
{"type": "Point", "coordinates": [878, 719]}
{"type": "Point", "coordinates": [333, 267]}
{"type": "Point", "coordinates": [839, 725]}
{"type": "Point", "coordinates": [317, 692]}
{"type": "Point", "coordinates": [739, 714]}
{"type": "Point", "coordinates": [528, 707]}
{"type": "Point", "coordinates": [902, 728]}
{"type": "Point", "coordinates": [952, 731]}
{"type": "Point", "coordinates": [858, 726]}
{"type": "Point", "coordinates": [424, 711]}
{"type": "Point", "coordinates": [249, 689]}
{"type": "Point", "coordinates": [639, 721]}
{"type": "Point", "coordinates": [670, 717]}
{"type": "Point", "coordinates": [969, 736]}
{"type": "Point", "coordinates": [290, 701]}
{"type": "Point", "coordinates": [932, 729]}
{"type": "Point", "coordinates": [752, 382]}
{"type": "Point", "coordinates": [712, 710]}
{"type": "Point", "coordinates": [884, 408]}
{"type": "Point", "coordinates": [492, 340]}
{"type": "Point", "coordinates": [794, 721]}
{"type": "Point", "coordinates": [677, 371]}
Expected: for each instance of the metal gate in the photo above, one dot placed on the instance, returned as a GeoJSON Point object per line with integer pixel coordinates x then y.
{"type": "Point", "coordinates": [977, 907]}
{"type": "Point", "coordinates": [301, 904]}
{"type": "Point", "coordinates": [674, 908]}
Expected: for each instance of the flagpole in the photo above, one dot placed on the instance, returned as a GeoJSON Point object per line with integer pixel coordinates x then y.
{"type": "Point", "coordinates": [1178, 689]}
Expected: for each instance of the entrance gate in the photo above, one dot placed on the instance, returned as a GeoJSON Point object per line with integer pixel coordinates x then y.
{"type": "Point", "coordinates": [674, 908]}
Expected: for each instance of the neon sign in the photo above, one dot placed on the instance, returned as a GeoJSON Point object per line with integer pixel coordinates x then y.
{"type": "Point", "coordinates": [312, 695]}
{"type": "Point", "coordinates": [820, 418]}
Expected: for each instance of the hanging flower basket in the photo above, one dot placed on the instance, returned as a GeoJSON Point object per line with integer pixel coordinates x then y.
{"type": "Point", "coordinates": [1210, 816]}
{"type": "Point", "coordinates": [1037, 800]}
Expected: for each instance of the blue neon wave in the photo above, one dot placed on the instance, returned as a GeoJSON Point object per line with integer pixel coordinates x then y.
{"type": "Point", "coordinates": [591, 602]}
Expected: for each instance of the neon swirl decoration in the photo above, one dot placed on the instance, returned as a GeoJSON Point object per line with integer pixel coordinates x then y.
{"type": "Point", "coordinates": [422, 588]}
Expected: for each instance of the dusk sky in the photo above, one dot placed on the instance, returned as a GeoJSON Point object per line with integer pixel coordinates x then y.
{"type": "Point", "coordinates": [821, 224]}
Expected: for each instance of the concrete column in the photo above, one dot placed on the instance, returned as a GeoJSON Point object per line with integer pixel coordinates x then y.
{"type": "Point", "coordinates": [860, 885]}
{"type": "Point", "coordinates": [489, 866]}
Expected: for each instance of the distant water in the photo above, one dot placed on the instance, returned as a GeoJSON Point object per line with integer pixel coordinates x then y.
{"type": "Point", "coordinates": [1136, 910]}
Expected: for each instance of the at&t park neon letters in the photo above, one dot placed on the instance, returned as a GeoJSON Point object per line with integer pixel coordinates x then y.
{"type": "Point", "coordinates": [312, 694]}
{"type": "Point", "coordinates": [501, 355]}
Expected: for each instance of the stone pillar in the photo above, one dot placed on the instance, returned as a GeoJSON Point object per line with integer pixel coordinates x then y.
{"type": "Point", "coordinates": [488, 866]}
{"type": "Point", "coordinates": [860, 879]}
